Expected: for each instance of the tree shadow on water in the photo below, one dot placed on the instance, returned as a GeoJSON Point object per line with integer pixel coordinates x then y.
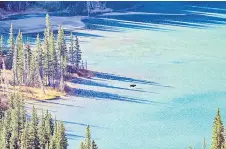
{"type": "Point", "coordinates": [74, 136]}
{"type": "Point", "coordinates": [82, 124]}
{"type": "Point", "coordinates": [94, 83]}
{"type": "Point", "coordinates": [108, 76]}
{"type": "Point", "coordinates": [109, 96]}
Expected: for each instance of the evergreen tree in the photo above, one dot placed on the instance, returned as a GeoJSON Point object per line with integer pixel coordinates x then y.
{"type": "Point", "coordinates": [48, 128]}
{"type": "Point", "coordinates": [24, 136]}
{"type": "Point", "coordinates": [28, 63]}
{"type": "Point", "coordinates": [72, 51]}
{"type": "Point", "coordinates": [217, 132]}
{"type": "Point", "coordinates": [15, 69]}
{"type": "Point", "coordinates": [14, 140]}
{"type": "Point", "coordinates": [81, 145]}
{"type": "Point", "coordinates": [45, 58]}
{"type": "Point", "coordinates": [46, 53]}
{"type": "Point", "coordinates": [9, 56]}
{"type": "Point", "coordinates": [62, 140]}
{"type": "Point", "coordinates": [33, 137]}
{"type": "Point", "coordinates": [47, 25]}
{"type": "Point", "coordinates": [38, 70]}
{"type": "Point", "coordinates": [25, 63]}
{"type": "Point", "coordinates": [1, 45]}
{"type": "Point", "coordinates": [18, 60]}
{"type": "Point", "coordinates": [88, 138]}
{"type": "Point", "coordinates": [204, 144]}
{"type": "Point", "coordinates": [5, 134]}
{"type": "Point", "coordinates": [34, 63]}
{"type": "Point", "coordinates": [54, 143]}
{"type": "Point", "coordinates": [189, 147]}
{"type": "Point", "coordinates": [20, 48]}
{"type": "Point", "coordinates": [41, 132]}
{"type": "Point", "coordinates": [61, 46]}
{"type": "Point", "coordinates": [52, 59]}
{"type": "Point", "coordinates": [94, 145]}
{"type": "Point", "coordinates": [78, 53]}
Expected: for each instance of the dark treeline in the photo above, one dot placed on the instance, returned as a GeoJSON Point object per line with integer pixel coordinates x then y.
{"type": "Point", "coordinates": [44, 64]}
{"type": "Point", "coordinates": [68, 7]}
{"type": "Point", "coordinates": [19, 131]}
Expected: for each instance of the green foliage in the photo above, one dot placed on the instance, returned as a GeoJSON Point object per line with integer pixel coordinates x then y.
{"type": "Point", "coordinates": [62, 139]}
{"type": "Point", "coordinates": [33, 141]}
{"type": "Point", "coordinates": [24, 136]}
{"type": "Point", "coordinates": [62, 50]}
{"type": "Point", "coordinates": [46, 63]}
{"type": "Point", "coordinates": [88, 144]}
{"type": "Point", "coordinates": [43, 65]}
{"type": "Point", "coordinates": [19, 64]}
{"type": "Point", "coordinates": [48, 128]}
{"type": "Point", "coordinates": [88, 138]}
{"type": "Point", "coordinates": [78, 53]}
{"type": "Point", "coordinates": [217, 140]}
{"type": "Point", "coordinates": [10, 53]}
{"type": "Point", "coordinates": [17, 132]}
{"type": "Point", "coordinates": [5, 133]}
{"type": "Point", "coordinates": [81, 145]}
{"type": "Point", "coordinates": [94, 146]}
{"type": "Point", "coordinates": [42, 132]}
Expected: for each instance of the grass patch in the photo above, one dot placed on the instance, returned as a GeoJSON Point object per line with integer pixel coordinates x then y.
{"type": "Point", "coordinates": [31, 92]}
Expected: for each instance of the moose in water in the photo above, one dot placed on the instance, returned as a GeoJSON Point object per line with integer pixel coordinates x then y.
{"type": "Point", "coordinates": [132, 85]}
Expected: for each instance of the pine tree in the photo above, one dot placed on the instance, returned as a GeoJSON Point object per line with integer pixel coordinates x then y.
{"type": "Point", "coordinates": [25, 63]}
{"type": "Point", "coordinates": [78, 53]}
{"type": "Point", "coordinates": [204, 144]}
{"type": "Point", "coordinates": [38, 70]}
{"type": "Point", "coordinates": [24, 137]}
{"type": "Point", "coordinates": [54, 143]}
{"type": "Point", "coordinates": [61, 46]}
{"type": "Point", "coordinates": [28, 63]}
{"type": "Point", "coordinates": [94, 145]}
{"type": "Point", "coordinates": [14, 66]}
{"type": "Point", "coordinates": [33, 137]}
{"type": "Point", "coordinates": [189, 147]}
{"type": "Point", "coordinates": [62, 140]}
{"type": "Point", "coordinates": [34, 63]}
{"type": "Point", "coordinates": [18, 56]}
{"type": "Point", "coordinates": [42, 132]}
{"type": "Point", "coordinates": [46, 52]}
{"type": "Point", "coordinates": [81, 145]}
{"type": "Point", "coordinates": [88, 138]}
{"type": "Point", "coordinates": [72, 51]}
{"type": "Point", "coordinates": [1, 45]}
{"type": "Point", "coordinates": [9, 56]}
{"type": "Point", "coordinates": [48, 128]}
{"type": "Point", "coordinates": [5, 134]}
{"type": "Point", "coordinates": [47, 25]}
{"type": "Point", "coordinates": [14, 140]}
{"type": "Point", "coordinates": [44, 65]}
{"type": "Point", "coordinates": [217, 140]}
{"type": "Point", "coordinates": [52, 59]}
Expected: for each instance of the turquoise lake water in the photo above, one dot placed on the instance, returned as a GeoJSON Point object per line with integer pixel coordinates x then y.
{"type": "Point", "coordinates": [176, 58]}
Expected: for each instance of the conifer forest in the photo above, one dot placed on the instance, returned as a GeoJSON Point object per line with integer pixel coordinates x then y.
{"type": "Point", "coordinates": [112, 75]}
